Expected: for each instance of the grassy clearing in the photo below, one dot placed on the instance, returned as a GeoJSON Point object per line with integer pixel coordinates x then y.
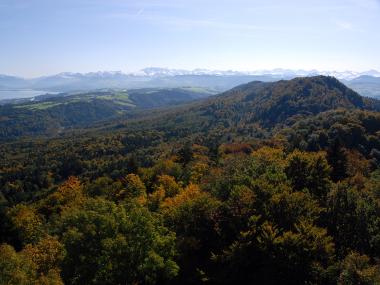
{"type": "Point", "coordinates": [39, 106]}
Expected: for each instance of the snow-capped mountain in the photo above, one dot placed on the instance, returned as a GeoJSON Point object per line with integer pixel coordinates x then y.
{"type": "Point", "coordinates": [219, 80]}
{"type": "Point", "coordinates": [346, 75]}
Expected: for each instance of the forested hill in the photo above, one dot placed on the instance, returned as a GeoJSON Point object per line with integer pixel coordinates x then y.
{"type": "Point", "coordinates": [287, 100]}
{"type": "Point", "coordinates": [268, 183]}
{"type": "Point", "coordinates": [256, 109]}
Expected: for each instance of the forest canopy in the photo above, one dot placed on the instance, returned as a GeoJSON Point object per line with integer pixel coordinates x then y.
{"type": "Point", "coordinates": [269, 183]}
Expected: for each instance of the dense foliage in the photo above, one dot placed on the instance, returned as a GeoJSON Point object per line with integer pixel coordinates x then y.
{"type": "Point", "coordinates": [219, 195]}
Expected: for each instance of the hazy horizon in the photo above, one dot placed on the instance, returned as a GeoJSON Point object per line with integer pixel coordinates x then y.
{"type": "Point", "coordinates": [248, 72]}
{"type": "Point", "coordinates": [41, 37]}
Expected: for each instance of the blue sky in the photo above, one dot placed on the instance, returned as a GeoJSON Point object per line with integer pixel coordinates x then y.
{"type": "Point", "coordinates": [40, 37]}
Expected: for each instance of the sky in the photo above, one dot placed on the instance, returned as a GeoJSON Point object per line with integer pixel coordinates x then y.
{"type": "Point", "coordinates": [41, 37]}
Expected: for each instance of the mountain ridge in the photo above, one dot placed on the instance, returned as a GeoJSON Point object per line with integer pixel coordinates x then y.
{"type": "Point", "coordinates": [300, 95]}
{"type": "Point", "coordinates": [257, 106]}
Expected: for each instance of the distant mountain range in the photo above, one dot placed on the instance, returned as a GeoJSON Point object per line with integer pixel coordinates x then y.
{"type": "Point", "coordinates": [278, 72]}
{"type": "Point", "coordinates": [366, 83]}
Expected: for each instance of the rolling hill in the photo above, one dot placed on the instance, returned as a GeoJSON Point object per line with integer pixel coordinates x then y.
{"type": "Point", "coordinates": [50, 114]}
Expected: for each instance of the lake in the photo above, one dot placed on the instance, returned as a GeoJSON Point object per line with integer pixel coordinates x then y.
{"type": "Point", "coordinates": [25, 93]}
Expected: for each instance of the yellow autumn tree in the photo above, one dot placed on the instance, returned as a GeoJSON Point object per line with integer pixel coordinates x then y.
{"type": "Point", "coordinates": [69, 194]}
{"type": "Point", "coordinates": [134, 190]}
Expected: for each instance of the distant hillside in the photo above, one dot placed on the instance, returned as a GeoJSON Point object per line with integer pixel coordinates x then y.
{"type": "Point", "coordinates": [283, 101]}
{"type": "Point", "coordinates": [366, 85]}
{"type": "Point", "coordinates": [69, 82]}
{"type": "Point", "coordinates": [51, 114]}
{"type": "Point", "coordinates": [10, 82]}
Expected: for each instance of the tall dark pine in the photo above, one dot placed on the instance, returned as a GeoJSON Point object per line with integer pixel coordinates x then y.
{"type": "Point", "coordinates": [186, 153]}
{"type": "Point", "coordinates": [132, 164]}
{"type": "Point", "coordinates": [337, 159]}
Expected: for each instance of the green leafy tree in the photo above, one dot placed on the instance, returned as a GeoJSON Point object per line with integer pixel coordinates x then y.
{"type": "Point", "coordinates": [264, 254]}
{"type": "Point", "coordinates": [104, 186]}
{"type": "Point", "coordinates": [115, 244]}
{"type": "Point", "coordinates": [310, 172]}
{"type": "Point", "coordinates": [353, 219]}
{"type": "Point", "coordinates": [287, 209]}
